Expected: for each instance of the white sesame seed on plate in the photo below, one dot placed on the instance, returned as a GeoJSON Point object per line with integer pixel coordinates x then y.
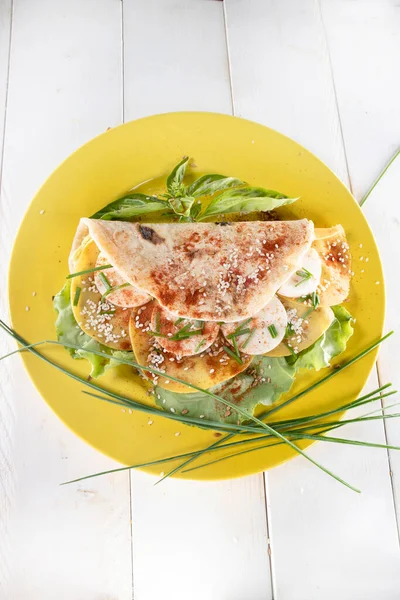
{"type": "Point", "coordinates": [177, 433]}
{"type": "Point", "coordinates": [41, 212]}
{"type": "Point", "coordinates": [149, 422]}
{"type": "Point", "coordinates": [377, 282]}
{"type": "Point", "coordinates": [33, 293]}
{"type": "Point", "coordinates": [27, 308]}
{"type": "Point", "coordinates": [162, 474]}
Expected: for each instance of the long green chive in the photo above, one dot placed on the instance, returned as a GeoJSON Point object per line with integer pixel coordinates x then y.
{"type": "Point", "coordinates": [77, 296]}
{"type": "Point", "coordinates": [105, 281]}
{"type": "Point", "coordinates": [273, 431]}
{"type": "Point", "coordinates": [232, 355]}
{"type": "Point", "coordinates": [178, 321]}
{"type": "Point", "coordinates": [88, 271]}
{"type": "Point", "coordinates": [252, 332]}
{"type": "Point", "coordinates": [133, 364]}
{"type": "Point", "coordinates": [379, 177]}
{"type": "Point", "coordinates": [273, 331]}
{"type": "Point", "coordinates": [156, 333]}
{"type": "Point", "coordinates": [221, 447]}
{"type": "Point", "coordinates": [296, 397]}
{"type": "Point", "coordinates": [113, 289]}
{"type": "Point", "coordinates": [304, 274]}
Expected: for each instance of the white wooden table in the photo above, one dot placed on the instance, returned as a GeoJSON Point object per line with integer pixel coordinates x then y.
{"type": "Point", "coordinates": [326, 73]}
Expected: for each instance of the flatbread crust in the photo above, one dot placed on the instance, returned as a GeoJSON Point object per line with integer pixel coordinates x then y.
{"type": "Point", "coordinates": [210, 271]}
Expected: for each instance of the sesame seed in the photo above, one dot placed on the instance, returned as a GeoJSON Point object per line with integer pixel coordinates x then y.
{"type": "Point", "coordinates": [212, 370]}
{"type": "Point", "coordinates": [41, 212]}
{"type": "Point", "coordinates": [377, 282]}
{"type": "Point", "coordinates": [360, 246]}
{"type": "Point", "coordinates": [201, 416]}
{"type": "Point", "coordinates": [130, 411]}
{"type": "Point", "coordinates": [361, 258]}
{"type": "Point", "coordinates": [167, 381]}
{"type": "Point", "coordinates": [122, 410]}
{"type": "Point", "coordinates": [33, 293]}
{"type": "Point", "coordinates": [149, 422]}
{"type": "Point", "coordinates": [172, 410]}
{"type": "Point", "coordinates": [27, 308]}
{"type": "Point", "coordinates": [367, 259]}
{"type": "Point", "coordinates": [162, 474]}
{"type": "Point", "coordinates": [177, 433]}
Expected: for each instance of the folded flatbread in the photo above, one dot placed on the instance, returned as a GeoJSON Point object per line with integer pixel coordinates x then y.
{"type": "Point", "coordinates": [210, 271]}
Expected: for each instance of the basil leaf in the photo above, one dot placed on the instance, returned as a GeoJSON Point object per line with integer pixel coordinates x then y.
{"type": "Point", "coordinates": [175, 178]}
{"type": "Point", "coordinates": [210, 184]}
{"type": "Point", "coordinates": [246, 199]}
{"type": "Point", "coordinates": [129, 206]}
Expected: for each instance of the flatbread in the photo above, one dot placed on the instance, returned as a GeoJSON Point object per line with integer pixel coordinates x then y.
{"type": "Point", "coordinates": [210, 271]}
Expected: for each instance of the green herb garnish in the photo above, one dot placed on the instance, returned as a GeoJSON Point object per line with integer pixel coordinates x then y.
{"type": "Point", "coordinates": [273, 331]}
{"type": "Point", "coordinates": [88, 271]}
{"type": "Point", "coordinates": [289, 332]}
{"type": "Point", "coordinates": [115, 398]}
{"type": "Point", "coordinates": [113, 289]}
{"type": "Point", "coordinates": [304, 274]}
{"type": "Point", "coordinates": [105, 281]}
{"type": "Point", "coordinates": [199, 345]}
{"type": "Point", "coordinates": [178, 321]}
{"type": "Point", "coordinates": [233, 355]}
{"type": "Point", "coordinates": [252, 332]}
{"type": "Point", "coordinates": [77, 296]}
{"type": "Point", "coordinates": [236, 334]}
{"type": "Point", "coordinates": [158, 321]}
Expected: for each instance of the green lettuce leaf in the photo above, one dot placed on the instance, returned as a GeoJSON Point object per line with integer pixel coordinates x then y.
{"type": "Point", "coordinates": [69, 332]}
{"type": "Point", "coordinates": [265, 380]}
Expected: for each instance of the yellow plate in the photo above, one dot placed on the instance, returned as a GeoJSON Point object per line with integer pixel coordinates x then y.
{"type": "Point", "coordinates": [137, 152]}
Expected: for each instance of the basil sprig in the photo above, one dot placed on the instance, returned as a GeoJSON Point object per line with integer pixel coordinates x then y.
{"type": "Point", "coordinates": [185, 202]}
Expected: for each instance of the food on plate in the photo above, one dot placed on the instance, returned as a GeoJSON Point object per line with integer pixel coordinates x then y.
{"type": "Point", "coordinates": [238, 306]}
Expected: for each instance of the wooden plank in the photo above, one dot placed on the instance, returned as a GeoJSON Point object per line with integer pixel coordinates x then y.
{"type": "Point", "coordinates": [281, 74]}
{"type": "Point", "coordinates": [208, 540]}
{"type": "Point", "coordinates": [383, 213]}
{"type": "Point", "coordinates": [7, 472]}
{"type": "Point", "coordinates": [64, 88]}
{"type": "Point", "coordinates": [368, 99]}
{"type": "Point", "coordinates": [175, 57]}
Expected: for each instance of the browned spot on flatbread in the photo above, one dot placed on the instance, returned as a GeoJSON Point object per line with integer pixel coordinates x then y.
{"type": "Point", "coordinates": [150, 235]}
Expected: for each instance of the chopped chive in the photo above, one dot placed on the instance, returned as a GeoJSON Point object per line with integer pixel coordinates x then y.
{"type": "Point", "coordinates": [292, 352]}
{"type": "Point", "coordinates": [304, 274]}
{"type": "Point", "coordinates": [185, 334]}
{"type": "Point", "coordinates": [113, 289]}
{"type": "Point", "coordinates": [158, 321]}
{"type": "Point", "coordinates": [107, 312]}
{"type": "Point", "coordinates": [200, 345]}
{"type": "Point", "coordinates": [105, 281]}
{"type": "Point", "coordinates": [156, 333]}
{"type": "Point", "coordinates": [77, 296]}
{"type": "Point", "coordinates": [233, 355]}
{"type": "Point", "coordinates": [238, 333]}
{"type": "Point", "coordinates": [252, 332]}
{"type": "Point", "coordinates": [178, 321]}
{"type": "Point", "coordinates": [88, 271]}
{"type": "Point", "coordinates": [273, 331]}
{"type": "Point", "coordinates": [289, 331]}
